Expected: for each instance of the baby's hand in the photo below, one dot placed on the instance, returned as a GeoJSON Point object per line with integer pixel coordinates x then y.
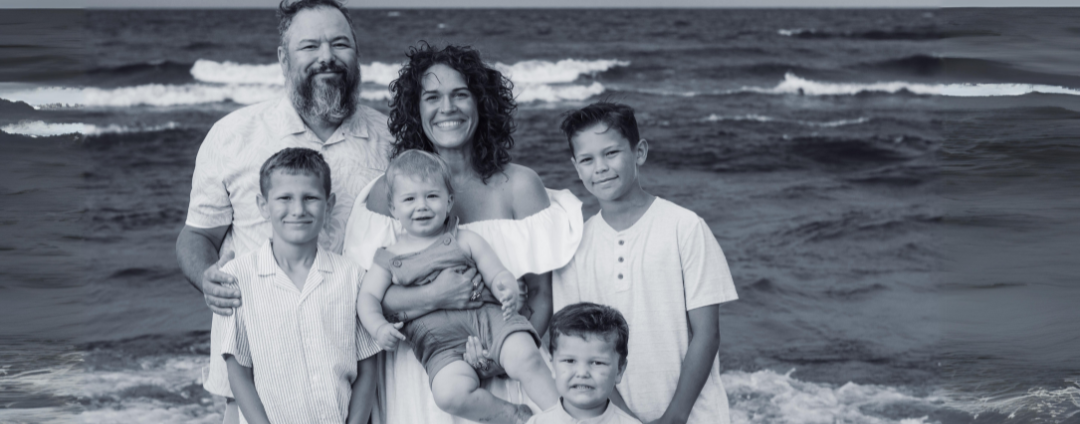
{"type": "Point", "coordinates": [388, 336]}
{"type": "Point", "coordinates": [509, 298]}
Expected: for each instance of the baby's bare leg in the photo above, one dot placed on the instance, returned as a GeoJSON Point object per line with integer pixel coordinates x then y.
{"type": "Point", "coordinates": [456, 390]}
{"type": "Point", "coordinates": [522, 361]}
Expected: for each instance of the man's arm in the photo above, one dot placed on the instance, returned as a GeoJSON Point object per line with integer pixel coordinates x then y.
{"type": "Point", "coordinates": [197, 253]}
{"type": "Point", "coordinates": [242, 383]}
{"type": "Point", "coordinates": [450, 290]}
{"type": "Point", "coordinates": [363, 391]}
{"type": "Point", "coordinates": [704, 345]}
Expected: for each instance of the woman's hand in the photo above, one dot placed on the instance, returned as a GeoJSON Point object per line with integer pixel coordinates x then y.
{"type": "Point", "coordinates": [477, 357]}
{"type": "Point", "coordinates": [458, 288]}
{"type": "Point", "coordinates": [388, 336]}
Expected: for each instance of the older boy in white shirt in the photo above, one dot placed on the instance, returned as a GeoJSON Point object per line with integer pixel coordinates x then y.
{"type": "Point", "coordinates": [658, 264]}
{"type": "Point", "coordinates": [295, 350]}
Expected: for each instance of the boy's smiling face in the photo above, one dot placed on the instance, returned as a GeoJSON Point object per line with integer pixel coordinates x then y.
{"type": "Point", "coordinates": [586, 371]}
{"type": "Point", "coordinates": [296, 206]}
{"type": "Point", "coordinates": [605, 162]}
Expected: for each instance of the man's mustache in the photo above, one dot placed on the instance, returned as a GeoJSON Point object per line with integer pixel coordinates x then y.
{"type": "Point", "coordinates": [323, 67]}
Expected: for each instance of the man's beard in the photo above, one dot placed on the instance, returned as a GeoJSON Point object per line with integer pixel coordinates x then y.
{"type": "Point", "coordinates": [329, 99]}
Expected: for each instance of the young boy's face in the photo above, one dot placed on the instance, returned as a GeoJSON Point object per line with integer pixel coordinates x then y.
{"type": "Point", "coordinates": [420, 204]}
{"type": "Point", "coordinates": [296, 206]}
{"type": "Point", "coordinates": [586, 370]}
{"type": "Point", "coordinates": [605, 162]}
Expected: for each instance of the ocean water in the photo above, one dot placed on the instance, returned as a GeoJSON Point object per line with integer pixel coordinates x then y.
{"type": "Point", "coordinates": [896, 192]}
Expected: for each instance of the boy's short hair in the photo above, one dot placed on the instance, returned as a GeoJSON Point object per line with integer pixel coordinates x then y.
{"type": "Point", "coordinates": [417, 164]}
{"type": "Point", "coordinates": [590, 319]}
{"type": "Point", "coordinates": [616, 116]}
{"type": "Point", "coordinates": [295, 160]}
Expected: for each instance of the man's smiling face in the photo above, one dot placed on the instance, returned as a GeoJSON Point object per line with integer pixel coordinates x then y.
{"type": "Point", "coordinates": [318, 57]}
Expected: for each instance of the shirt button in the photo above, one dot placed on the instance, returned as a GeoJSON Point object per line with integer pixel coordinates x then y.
{"type": "Point", "coordinates": [621, 242]}
{"type": "Point", "coordinates": [397, 263]}
{"type": "Point", "coordinates": [620, 258]}
{"type": "Point", "coordinates": [620, 276]}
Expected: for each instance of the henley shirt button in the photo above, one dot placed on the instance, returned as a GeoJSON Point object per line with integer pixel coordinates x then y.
{"type": "Point", "coordinates": [620, 242]}
{"type": "Point", "coordinates": [620, 276]}
{"type": "Point", "coordinates": [620, 258]}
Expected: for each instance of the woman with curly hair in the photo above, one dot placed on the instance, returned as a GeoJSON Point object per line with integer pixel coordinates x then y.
{"type": "Point", "coordinates": [448, 102]}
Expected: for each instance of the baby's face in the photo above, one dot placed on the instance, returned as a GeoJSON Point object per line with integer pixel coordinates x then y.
{"type": "Point", "coordinates": [586, 370]}
{"type": "Point", "coordinates": [420, 205]}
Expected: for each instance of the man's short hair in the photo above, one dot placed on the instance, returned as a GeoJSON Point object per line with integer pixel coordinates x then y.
{"type": "Point", "coordinates": [616, 116]}
{"type": "Point", "coordinates": [417, 164]}
{"type": "Point", "coordinates": [589, 319]}
{"type": "Point", "coordinates": [288, 9]}
{"type": "Point", "coordinates": [292, 161]}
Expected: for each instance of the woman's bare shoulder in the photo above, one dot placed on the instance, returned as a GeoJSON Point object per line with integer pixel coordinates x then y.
{"type": "Point", "coordinates": [526, 189]}
{"type": "Point", "coordinates": [376, 200]}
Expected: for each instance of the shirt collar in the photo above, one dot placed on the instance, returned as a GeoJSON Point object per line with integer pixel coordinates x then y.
{"type": "Point", "coordinates": [567, 418]}
{"type": "Point", "coordinates": [267, 265]}
{"type": "Point", "coordinates": [285, 121]}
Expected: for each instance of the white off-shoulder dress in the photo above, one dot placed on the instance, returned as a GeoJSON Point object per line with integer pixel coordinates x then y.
{"type": "Point", "coordinates": [542, 242]}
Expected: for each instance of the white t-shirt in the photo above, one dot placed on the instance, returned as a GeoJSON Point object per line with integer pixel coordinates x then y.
{"type": "Point", "coordinates": [664, 265]}
{"type": "Point", "coordinates": [558, 415]}
{"type": "Point", "coordinates": [302, 346]}
{"type": "Point", "coordinates": [226, 181]}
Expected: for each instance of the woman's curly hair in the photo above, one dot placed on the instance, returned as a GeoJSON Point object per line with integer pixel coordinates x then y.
{"type": "Point", "coordinates": [492, 91]}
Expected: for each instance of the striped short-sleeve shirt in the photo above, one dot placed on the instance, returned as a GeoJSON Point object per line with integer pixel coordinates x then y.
{"type": "Point", "coordinates": [303, 346]}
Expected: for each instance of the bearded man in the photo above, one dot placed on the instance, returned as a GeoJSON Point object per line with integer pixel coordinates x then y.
{"type": "Point", "coordinates": [319, 58]}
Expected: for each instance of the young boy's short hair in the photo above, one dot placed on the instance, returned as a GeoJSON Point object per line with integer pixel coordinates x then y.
{"type": "Point", "coordinates": [292, 161]}
{"type": "Point", "coordinates": [417, 164]}
{"type": "Point", "coordinates": [590, 319]}
{"type": "Point", "coordinates": [616, 116]}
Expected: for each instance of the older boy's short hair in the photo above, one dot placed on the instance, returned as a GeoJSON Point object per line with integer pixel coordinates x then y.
{"type": "Point", "coordinates": [616, 116]}
{"type": "Point", "coordinates": [295, 160]}
{"type": "Point", "coordinates": [417, 164]}
{"type": "Point", "coordinates": [288, 9]}
{"type": "Point", "coordinates": [589, 319]}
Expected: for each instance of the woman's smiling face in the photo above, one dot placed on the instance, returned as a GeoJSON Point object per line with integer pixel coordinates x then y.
{"type": "Point", "coordinates": [447, 108]}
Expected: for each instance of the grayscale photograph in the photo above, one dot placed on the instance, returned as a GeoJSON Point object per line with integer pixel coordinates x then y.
{"type": "Point", "coordinates": [693, 211]}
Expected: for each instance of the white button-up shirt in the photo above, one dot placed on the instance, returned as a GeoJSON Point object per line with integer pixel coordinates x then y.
{"type": "Point", "coordinates": [226, 180]}
{"type": "Point", "coordinates": [302, 346]}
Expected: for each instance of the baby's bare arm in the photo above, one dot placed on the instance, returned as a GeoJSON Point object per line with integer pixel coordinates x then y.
{"type": "Point", "coordinates": [496, 276]}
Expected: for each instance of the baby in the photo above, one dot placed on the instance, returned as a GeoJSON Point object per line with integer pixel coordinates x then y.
{"type": "Point", "coordinates": [420, 197]}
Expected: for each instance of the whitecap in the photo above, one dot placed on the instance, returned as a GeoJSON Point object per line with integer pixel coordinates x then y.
{"type": "Point", "coordinates": [793, 84]}
{"type": "Point", "coordinates": [270, 74]}
{"type": "Point", "coordinates": [48, 129]}
{"type": "Point", "coordinates": [762, 118]}
{"type": "Point", "coordinates": [532, 72]}
{"type": "Point", "coordinates": [768, 396]}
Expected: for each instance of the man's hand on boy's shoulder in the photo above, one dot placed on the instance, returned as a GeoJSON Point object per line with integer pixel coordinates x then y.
{"type": "Point", "coordinates": [219, 288]}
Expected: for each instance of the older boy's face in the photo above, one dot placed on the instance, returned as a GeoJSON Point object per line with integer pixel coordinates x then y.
{"type": "Point", "coordinates": [605, 162]}
{"type": "Point", "coordinates": [296, 206]}
{"type": "Point", "coordinates": [586, 370]}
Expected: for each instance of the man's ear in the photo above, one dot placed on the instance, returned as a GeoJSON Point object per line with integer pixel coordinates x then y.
{"type": "Point", "coordinates": [641, 151]}
{"type": "Point", "coordinates": [260, 201]}
{"type": "Point", "coordinates": [283, 60]}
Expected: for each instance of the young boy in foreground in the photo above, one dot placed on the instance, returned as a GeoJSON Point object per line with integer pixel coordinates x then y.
{"type": "Point", "coordinates": [295, 350]}
{"type": "Point", "coordinates": [588, 344]}
{"type": "Point", "coordinates": [658, 264]}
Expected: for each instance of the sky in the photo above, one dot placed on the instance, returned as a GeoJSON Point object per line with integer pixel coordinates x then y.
{"type": "Point", "coordinates": [405, 4]}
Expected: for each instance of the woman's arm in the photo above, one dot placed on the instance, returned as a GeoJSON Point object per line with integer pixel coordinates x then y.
{"type": "Point", "coordinates": [539, 300]}
{"type": "Point", "coordinates": [450, 290]}
{"type": "Point", "coordinates": [242, 383]}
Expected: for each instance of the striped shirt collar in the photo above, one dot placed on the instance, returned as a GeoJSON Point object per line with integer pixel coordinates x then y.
{"type": "Point", "coordinates": [285, 121]}
{"type": "Point", "coordinates": [268, 267]}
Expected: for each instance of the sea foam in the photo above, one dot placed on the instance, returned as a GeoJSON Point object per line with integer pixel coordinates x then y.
{"type": "Point", "coordinates": [769, 397]}
{"type": "Point", "coordinates": [793, 84]}
{"type": "Point", "coordinates": [48, 129]}
{"type": "Point", "coordinates": [753, 117]}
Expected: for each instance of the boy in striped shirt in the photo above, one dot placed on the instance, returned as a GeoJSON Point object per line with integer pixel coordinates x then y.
{"type": "Point", "coordinates": [295, 350]}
